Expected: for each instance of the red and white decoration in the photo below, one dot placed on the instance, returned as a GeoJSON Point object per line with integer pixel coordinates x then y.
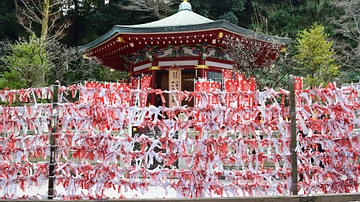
{"type": "Point", "coordinates": [206, 92]}
{"type": "Point", "coordinates": [298, 83]}
{"type": "Point", "coordinates": [227, 160]}
{"type": "Point", "coordinates": [111, 89]}
{"type": "Point", "coordinates": [240, 84]}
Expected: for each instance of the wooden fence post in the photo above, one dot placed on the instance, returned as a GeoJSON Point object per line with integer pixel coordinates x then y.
{"type": "Point", "coordinates": [52, 141]}
{"type": "Point", "coordinates": [294, 173]}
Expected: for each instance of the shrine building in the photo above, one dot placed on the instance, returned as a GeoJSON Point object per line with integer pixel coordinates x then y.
{"type": "Point", "coordinates": [187, 41]}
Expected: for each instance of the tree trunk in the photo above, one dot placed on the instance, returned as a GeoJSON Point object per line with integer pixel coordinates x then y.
{"type": "Point", "coordinates": [74, 23]}
{"type": "Point", "coordinates": [45, 19]}
{"type": "Point", "coordinates": [16, 5]}
{"type": "Point", "coordinates": [358, 47]}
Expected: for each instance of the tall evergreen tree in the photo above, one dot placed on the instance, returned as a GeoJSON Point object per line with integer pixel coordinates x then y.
{"type": "Point", "coordinates": [316, 57]}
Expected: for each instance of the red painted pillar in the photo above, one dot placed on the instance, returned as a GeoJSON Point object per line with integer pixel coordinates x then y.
{"type": "Point", "coordinates": [131, 71]}
{"type": "Point", "coordinates": [201, 67]}
{"type": "Point", "coordinates": [154, 67]}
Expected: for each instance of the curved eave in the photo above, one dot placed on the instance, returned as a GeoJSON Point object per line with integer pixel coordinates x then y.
{"type": "Point", "coordinates": [251, 34]}
{"type": "Point", "coordinates": [220, 24]}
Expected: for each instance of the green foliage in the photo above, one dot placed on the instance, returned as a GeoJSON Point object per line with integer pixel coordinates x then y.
{"type": "Point", "coordinates": [90, 19]}
{"type": "Point", "coordinates": [9, 29]}
{"type": "Point", "coordinates": [286, 18]}
{"type": "Point", "coordinates": [10, 79]}
{"type": "Point", "coordinates": [37, 63]}
{"type": "Point", "coordinates": [26, 64]}
{"type": "Point", "coordinates": [214, 10]}
{"type": "Point", "coordinates": [316, 57]}
{"type": "Point", "coordinates": [348, 76]}
{"type": "Point", "coordinates": [230, 17]}
{"type": "Point", "coordinates": [109, 75]}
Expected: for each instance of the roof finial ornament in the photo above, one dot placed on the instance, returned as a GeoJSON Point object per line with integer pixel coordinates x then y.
{"type": "Point", "coordinates": [185, 5]}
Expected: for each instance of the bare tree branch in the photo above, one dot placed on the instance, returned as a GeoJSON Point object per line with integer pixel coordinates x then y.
{"type": "Point", "coordinates": [348, 26]}
{"type": "Point", "coordinates": [31, 12]}
{"type": "Point", "coordinates": [69, 65]}
{"type": "Point", "coordinates": [156, 8]}
{"type": "Point", "coordinates": [262, 60]}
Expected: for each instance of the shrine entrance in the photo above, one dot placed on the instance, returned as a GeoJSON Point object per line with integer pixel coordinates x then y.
{"type": "Point", "coordinates": [187, 84]}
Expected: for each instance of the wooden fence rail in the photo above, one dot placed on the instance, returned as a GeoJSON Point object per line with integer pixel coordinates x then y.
{"type": "Point", "coordinates": [352, 197]}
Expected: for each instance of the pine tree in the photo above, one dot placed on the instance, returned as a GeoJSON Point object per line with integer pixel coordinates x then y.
{"type": "Point", "coordinates": [26, 63]}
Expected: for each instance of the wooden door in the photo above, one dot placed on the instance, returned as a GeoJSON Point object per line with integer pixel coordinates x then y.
{"type": "Point", "coordinates": [187, 83]}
